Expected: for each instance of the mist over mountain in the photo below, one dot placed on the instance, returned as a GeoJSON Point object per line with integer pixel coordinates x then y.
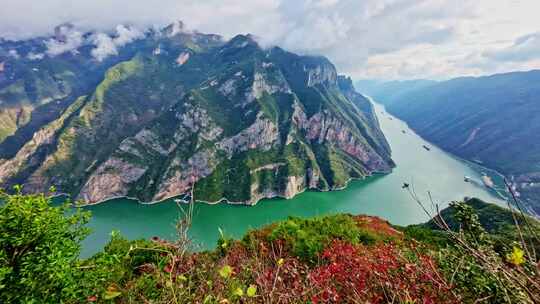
{"type": "Point", "coordinates": [391, 90]}
{"type": "Point", "coordinates": [388, 39]}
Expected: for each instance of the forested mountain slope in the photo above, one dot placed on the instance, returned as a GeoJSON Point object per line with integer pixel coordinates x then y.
{"type": "Point", "coordinates": [493, 120]}
{"type": "Point", "coordinates": [175, 109]}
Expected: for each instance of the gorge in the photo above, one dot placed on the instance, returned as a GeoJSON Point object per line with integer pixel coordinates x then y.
{"type": "Point", "coordinates": [238, 123]}
{"type": "Point", "coordinates": [380, 195]}
{"type": "Point", "coordinates": [491, 120]}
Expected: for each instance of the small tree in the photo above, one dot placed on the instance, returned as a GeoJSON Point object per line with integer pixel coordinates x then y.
{"type": "Point", "coordinates": [39, 248]}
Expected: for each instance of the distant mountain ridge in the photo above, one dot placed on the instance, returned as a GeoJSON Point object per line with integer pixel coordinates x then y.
{"type": "Point", "coordinates": [173, 109]}
{"type": "Point", "coordinates": [390, 91]}
{"type": "Point", "coordinates": [494, 120]}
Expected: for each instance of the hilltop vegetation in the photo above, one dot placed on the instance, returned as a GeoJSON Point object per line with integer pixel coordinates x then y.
{"type": "Point", "coordinates": [334, 259]}
{"type": "Point", "coordinates": [493, 120]}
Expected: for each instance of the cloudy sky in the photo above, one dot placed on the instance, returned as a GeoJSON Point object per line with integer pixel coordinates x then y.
{"type": "Point", "coordinates": [381, 39]}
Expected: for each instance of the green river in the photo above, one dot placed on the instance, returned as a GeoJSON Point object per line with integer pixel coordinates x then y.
{"type": "Point", "coordinates": [435, 171]}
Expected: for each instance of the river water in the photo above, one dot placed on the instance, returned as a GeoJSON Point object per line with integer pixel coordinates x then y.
{"type": "Point", "coordinates": [435, 171]}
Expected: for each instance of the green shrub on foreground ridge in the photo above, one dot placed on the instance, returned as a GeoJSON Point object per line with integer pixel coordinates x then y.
{"type": "Point", "coordinates": [39, 249]}
{"type": "Point", "coordinates": [308, 237]}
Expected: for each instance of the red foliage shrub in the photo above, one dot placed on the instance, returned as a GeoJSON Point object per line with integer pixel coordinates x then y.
{"type": "Point", "coordinates": [376, 225]}
{"type": "Point", "coordinates": [285, 283]}
{"type": "Point", "coordinates": [377, 274]}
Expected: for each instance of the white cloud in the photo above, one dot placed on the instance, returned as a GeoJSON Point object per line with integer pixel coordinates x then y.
{"type": "Point", "coordinates": [365, 38]}
{"type": "Point", "coordinates": [35, 56]}
{"type": "Point", "coordinates": [104, 46]}
{"type": "Point", "coordinates": [107, 45]}
{"type": "Point", "coordinates": [524, 48]}
{"type": "Point", "coordinates": [66, 39]}
{"type": "Point", "coordinates": [13, 54]}
{"type": "Point", "coordinates": [125, 35]}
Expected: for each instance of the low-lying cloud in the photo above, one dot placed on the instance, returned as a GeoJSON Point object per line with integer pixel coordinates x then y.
{"type": "Point", "coordinates": [66, 39]}
{"type": "Point", "coordinates": [427, 37]}
{"type": "Point", "coordinates": [107, 45]}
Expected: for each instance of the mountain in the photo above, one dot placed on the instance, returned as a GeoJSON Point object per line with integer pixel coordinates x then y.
{"type": "Point", "coordinates": [492, 120]}
{"type": "Point", "coordinates": [391, 90]}
{"type": "Point", "coordinates": [172, 109]}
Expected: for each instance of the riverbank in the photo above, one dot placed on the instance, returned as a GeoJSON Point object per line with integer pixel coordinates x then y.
{"type": "Point", "coordinates": [222, 200]}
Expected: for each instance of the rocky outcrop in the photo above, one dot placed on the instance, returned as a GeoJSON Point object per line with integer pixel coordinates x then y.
{"type": "Point", "coordinates": [321, 74]}
{"type": "Point", "coordinates": [261, 83]}
{"type": "Point", "coordinates": [261, 135]}
{"type": "Point", "coordinates": [182, 175]}
{"type": "Point", "coordinates": [294, 185]}
{"type": "Point", "coordinates": [112, 179]}
{"type": "Point", "coordinates": [323, 127]}
{"type": "Point", "coordinates": [149, 140]}
{"type": "Point", "coordinates": [272, 166]}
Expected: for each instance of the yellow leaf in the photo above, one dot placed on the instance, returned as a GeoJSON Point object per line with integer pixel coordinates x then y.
{"type": "Point", "coordinates": [238, 292]}
{"type": "Point", "coordinates": [516, 257]}
{"type": "Point", "coordinates": [225, 271]}
{"type": "Point", "coordinates": [280, 261]}
{"type": "Point", "coordinates": [251, 291]}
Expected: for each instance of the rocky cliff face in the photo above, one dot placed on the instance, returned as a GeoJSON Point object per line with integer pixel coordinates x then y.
{"type": "Point", "coordinates": [232, 120]}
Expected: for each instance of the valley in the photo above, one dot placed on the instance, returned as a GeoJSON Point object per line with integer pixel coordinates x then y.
{"type": "Point", "coordinates": [490, 120]}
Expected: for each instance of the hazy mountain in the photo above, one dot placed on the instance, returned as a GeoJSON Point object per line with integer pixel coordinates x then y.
{"type": "Point", "coordinates": [494, 120]}
{"type": "Point", "coordinates": [172, 108]}
{"type": "Point", "coordinates": [390, 91]}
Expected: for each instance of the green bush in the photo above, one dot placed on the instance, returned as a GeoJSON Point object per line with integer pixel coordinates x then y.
{"type": "Point", "coordinates": [39, 249]}
{"type": "Point", "coordinates": [477, 269]}
{"type": "Point", "coordinates": [308, 237]}
{"type": "Point", "coordinates": [116, 265]}
{"type": "Point", "coordinates": [435, 238]}
{"type": "Point", "coordinates": [470, 279]}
